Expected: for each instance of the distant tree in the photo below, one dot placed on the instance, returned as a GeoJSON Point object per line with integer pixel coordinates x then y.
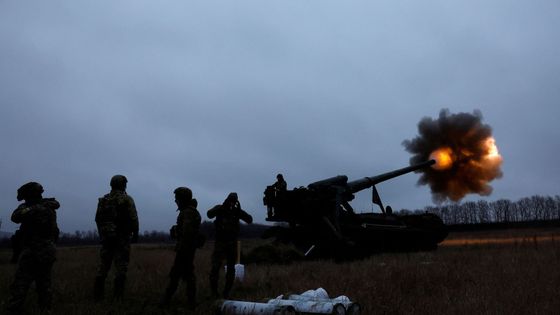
{"type": "Point", "coordinates": [535, 208]}
{"type": "Point", "coordinates": [470, 210]}
{"type": "Point", "coordinates": [405, 212]}
{"type": "Point", "coordinates": [483, 211]}
{"type": "Point", "coordinates": [444, 210]}
{"type": "Point", "coordinates": [538, 204]}
{"type": "Point", "coordinates": [557, 201]}
{"type": "Point", "coordinates": [433, 210]}
{"type": "Point", "coordinates": [550, 206]}
{"type": "Point", "coordinates": [455, 209]}
{"type": "Point", "coordinates": [502, 209]}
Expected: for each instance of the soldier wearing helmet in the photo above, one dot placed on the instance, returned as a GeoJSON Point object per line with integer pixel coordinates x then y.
{"type": "Point", "coordinates": [280, 185]}
{"type": "Point", "coordinates": [117, 224]}
{"type": "Point", "coordinates": [227, 217]}
{"type": "Point", "coordinates": [272, 193]}
{"type": "Point", "coordinates": [187, 236]}
{"type": "Point", "coordinates": [39, 233]}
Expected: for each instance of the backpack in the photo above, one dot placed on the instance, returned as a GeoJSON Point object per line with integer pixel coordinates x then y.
{"type": "Point", "coordinates": [106, 217]}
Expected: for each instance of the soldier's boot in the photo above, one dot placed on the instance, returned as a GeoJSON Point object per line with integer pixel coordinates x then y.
{"type": "Point", "coordinates": [214, 291]}
{"type": "Point", "coordinates": [191, 298]}
{"type": "Point", "coordinates": [230, 276]}
{"type": "Point", "coordinates": [213, 284]}
{"type": "Point", "coordinates": [99, 289]}
{"type": "Point", "coordinates": [118, 288]}
{"type": "Point", "coordinates": [18, 292]}
{"type": "Point", "coordinates": [191, 293]}
{"type": "Point", "coordinates": [44, 299]}
{"type": "Point", "coordinates": [168, 294]}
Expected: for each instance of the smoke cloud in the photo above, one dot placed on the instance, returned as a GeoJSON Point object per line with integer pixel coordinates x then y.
{"type": "Point", "coordinates": [464, 149]}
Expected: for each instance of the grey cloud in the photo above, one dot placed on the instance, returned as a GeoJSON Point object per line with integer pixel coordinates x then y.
{"type": "Point", "coordinates": [222, 95]}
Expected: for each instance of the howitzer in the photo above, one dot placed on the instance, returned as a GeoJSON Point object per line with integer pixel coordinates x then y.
{"type": "Point", "coordinates": [321, 215]}
{"type": "Point", "coordinates": [367, 182]}
{"type": "Point", "coordinates": [340, 185]}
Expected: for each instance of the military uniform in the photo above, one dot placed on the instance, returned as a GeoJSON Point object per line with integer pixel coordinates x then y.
{"type": "Point", "coordinates": [226, 224]}
{"type": "Point", "coordinates": [186, 233]}
{"type": "Point", "coordinates": [117, 224]}
{"type": "Point", "coordinates": [17, 245]}
{"type": "Point", "coordinates": [38, 233]}
{"type": "Point", "coordinates": [280, 185]}
{"type": "Point", "coordinates": [271, 195]}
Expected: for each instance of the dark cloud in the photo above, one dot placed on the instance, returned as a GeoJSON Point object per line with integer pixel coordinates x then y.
{"type": "Point", "coordinates": [464, 150]}
{"type": "Point", "coordinates": [221, 96]}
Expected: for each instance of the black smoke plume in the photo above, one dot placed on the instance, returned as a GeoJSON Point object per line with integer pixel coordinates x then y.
{"type": "Point", "coordinates": [475, 159]}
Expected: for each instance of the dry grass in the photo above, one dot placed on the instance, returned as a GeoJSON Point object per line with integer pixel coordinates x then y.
{"type": "Point", "coordinates": [514, 278]}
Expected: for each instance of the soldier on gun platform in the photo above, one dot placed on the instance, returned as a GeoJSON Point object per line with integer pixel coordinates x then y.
{"type": "Point", "coordinates": [272, 193]}
{"type": "Point", "coordinates": [280, 185]}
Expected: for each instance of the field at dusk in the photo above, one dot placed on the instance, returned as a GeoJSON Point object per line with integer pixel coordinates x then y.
{"type": "Point", "coordinates": [464, 276]}
{"type": "Point", "coordinates": [371, 125]}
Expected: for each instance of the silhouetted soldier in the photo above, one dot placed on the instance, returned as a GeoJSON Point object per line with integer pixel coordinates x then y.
{"type": "Point", "coordinates": [39, 232]}
{"type": "Point", "coordinates": [280, 185]}
{"type": "Point", "coordinates": [117, 224]}
{"type": "Point", "coordinates": [227, 217]}
{"type": "Point", "coordinates": [272, 192]}
{"type": "Point", "coordinates": [186, 233]}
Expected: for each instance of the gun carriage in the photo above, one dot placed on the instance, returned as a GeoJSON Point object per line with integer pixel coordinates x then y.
{"type": "Point", "coordinates": [320, 220]}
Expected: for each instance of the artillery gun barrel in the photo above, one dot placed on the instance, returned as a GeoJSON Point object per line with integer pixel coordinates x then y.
{"type": "Point", "coordinates": [366, 182]}
{"type": "Point", "coordinates": [339, 180]}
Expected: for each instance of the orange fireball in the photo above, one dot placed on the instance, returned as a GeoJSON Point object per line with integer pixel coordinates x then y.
{"type": "Point", "coordinates": [466, 155]}
{"type": "Point", "coordinates": [491, 149]}
{"type": "Point", "coordinates": [443, 157]}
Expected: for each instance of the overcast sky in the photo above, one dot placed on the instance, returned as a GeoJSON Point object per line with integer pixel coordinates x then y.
{"type": "Point", "coordinates": [221, 96]}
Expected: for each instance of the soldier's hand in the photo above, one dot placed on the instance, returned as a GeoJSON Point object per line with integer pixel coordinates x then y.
{"type": "Point", "coordinates": [25, 210]}
{"type": "Point", "coordinates": [134, 238]}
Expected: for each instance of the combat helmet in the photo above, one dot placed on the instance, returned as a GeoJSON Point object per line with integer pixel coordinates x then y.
{"type": "Point", "coordinates": [232, 197]}
{"type": "Point", "coordinates": [183, 193]}
{"type": "Point", "coordinates": [118, 182]}
{"type": "Point", "coordinates": [29, 190]}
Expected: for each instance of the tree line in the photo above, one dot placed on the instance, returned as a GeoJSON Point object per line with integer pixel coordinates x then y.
{"type": "Point", "coordinates": [528, 209]}
{"type": "Point", "coordinates": [91, 237]}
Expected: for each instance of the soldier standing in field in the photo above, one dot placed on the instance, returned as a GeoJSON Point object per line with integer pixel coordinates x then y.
{"type": "Point", "coordinates": [117, 224]}
{"type": "Point", "coordinates": [227, 217]}
{"type": "Point", "coordinates": [186, 233]}
{"type": "Point", "coordinates": [38, 232]}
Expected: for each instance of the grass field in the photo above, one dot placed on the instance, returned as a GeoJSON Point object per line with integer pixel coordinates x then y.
{"type": "Point", "coordinates": [461, 277]}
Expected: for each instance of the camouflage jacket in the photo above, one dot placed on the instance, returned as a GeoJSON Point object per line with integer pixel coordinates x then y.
{"type": "Point", "coordinates": [227, 221]}
{"type": "Point", "coordinates": [187, 228]}
{"type": "Point", "coordinates": [38, 222]}
{"type": "Point", "coordinates": [116, 215]}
